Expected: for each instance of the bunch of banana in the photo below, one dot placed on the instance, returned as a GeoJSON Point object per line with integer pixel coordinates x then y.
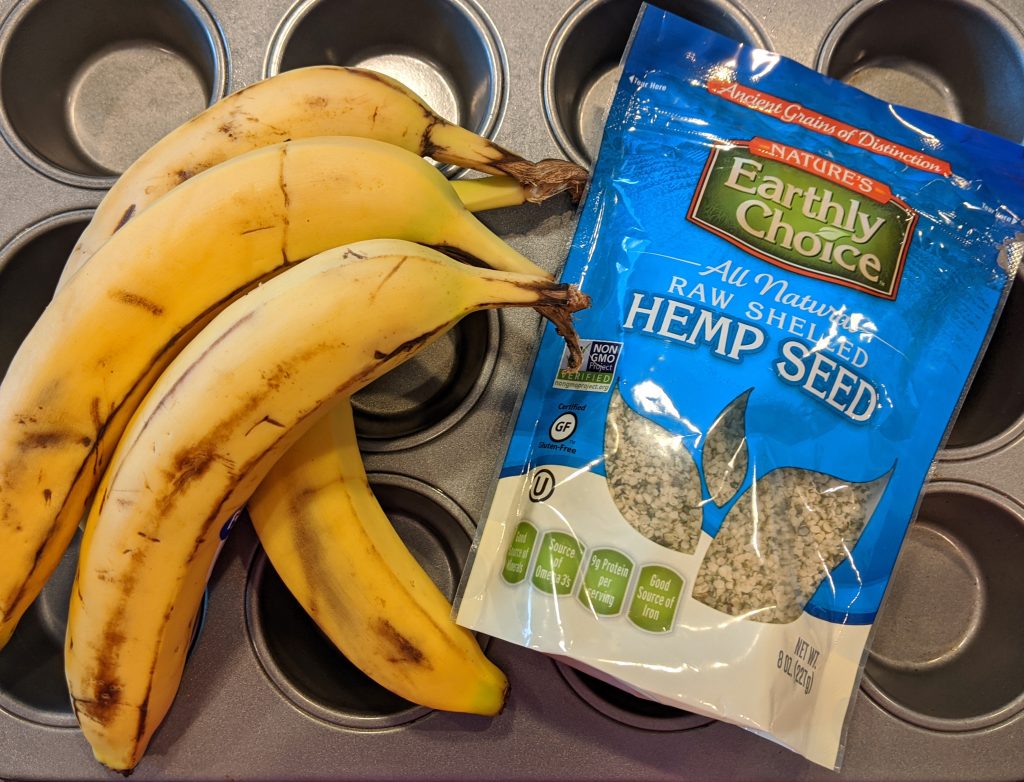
{"type": "Point", "coordinates": [207, 433]}
{"type": "Point", "coordinates": [168, 249]}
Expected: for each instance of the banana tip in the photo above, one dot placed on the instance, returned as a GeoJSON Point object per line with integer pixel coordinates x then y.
{"type": "Point", "coordinates": [576, 299]}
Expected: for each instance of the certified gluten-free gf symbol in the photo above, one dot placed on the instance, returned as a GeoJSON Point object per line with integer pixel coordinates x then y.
{"type": "Point", "coordinates": [543, 485]}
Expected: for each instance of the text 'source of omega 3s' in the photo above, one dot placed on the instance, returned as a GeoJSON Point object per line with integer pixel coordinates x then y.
{"type": "Point", "coordinates": [792, 284]}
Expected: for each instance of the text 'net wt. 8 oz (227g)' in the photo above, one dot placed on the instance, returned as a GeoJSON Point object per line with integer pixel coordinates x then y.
{"type": "Point", "coordinates": [792, 284]}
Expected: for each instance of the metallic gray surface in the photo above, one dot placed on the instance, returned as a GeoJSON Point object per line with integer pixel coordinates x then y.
{"type": "Point", "coordinates": [231, 721]}
{"type": "Point", "coordinates": [74, 76]}
{"type": "Point", "coordinates": [627, 708]}
{"type": "Point", "coordinates": [962, 674]}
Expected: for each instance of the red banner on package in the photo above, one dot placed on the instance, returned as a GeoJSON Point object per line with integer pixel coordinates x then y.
{"type": "Point", "coordinates": [823, 167]}
{"type": "Point", "coordinates": [794, 113]}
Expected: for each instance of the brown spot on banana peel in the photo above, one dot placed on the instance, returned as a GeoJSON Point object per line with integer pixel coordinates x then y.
{"type": "Point", "coordinates": [47, 438]}
{"type": "Point", "coordinates": [94, 412]}
{"type": "Point", "coordinates": [188, 562]}
{"type": "Point", "coordinates": [128, 214]}
{"type": "Point", "coordinates": [135, 300]}
{"type": "Point", "coordinates": [403, 650]}
{"type": "Point", "coordinates": [427, 146]}
{"type": "Point", "coordinates": [409, 344]}
{"type": "Point", "coordinates": [265, 420]}
{"type": "Point", "coordinates": [194, 460]}
{"type": "Point", "coordinates": [285, 220]}
{"type": "Point", "coordinates": [106, 698]}
{"type": "Point", "coordinates": [401, 262]}
{"type": "Point", "coordinates": [191, 464]}
{"type": "Point", "coordinates": [312, 553]}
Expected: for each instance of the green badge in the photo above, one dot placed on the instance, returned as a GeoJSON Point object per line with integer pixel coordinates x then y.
{"type": "Point", "coordinates": [558, 562]}
{"type": "Point", "coordinates": [517, 558]}
{"type": "Point", "coordinates": [804, 222]}
{"type": "Point", "coordinates": [603, 590]}
{"type": "Point", "coordinates": [656, 598]}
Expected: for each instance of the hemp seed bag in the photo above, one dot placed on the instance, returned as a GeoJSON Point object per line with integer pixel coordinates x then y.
{"type": "Point", "coordinates": [792, 285]}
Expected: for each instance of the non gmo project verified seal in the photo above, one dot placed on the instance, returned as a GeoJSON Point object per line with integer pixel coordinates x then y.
{"type": "Point", "coordinates": [597, 370]}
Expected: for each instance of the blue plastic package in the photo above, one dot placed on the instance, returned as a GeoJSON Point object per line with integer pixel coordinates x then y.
{"type": "Point", "coordinates": [792, 284]}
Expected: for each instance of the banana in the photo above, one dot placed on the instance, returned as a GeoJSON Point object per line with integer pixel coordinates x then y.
{"type": "Point", "coordinates": [489, 192]}
{"type": "Point", "coordinates": [235, 399]}
{"type": "Point", "coordinates": [113, 327]}
{"type": "Point", "coordinates": [305, 103]}
{"type": "Point", "coordinates": [336, 551]}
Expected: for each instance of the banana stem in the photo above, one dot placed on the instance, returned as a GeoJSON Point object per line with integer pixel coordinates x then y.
{"type": "Point", "coordinates": [547, 178]}
{"type": "Point", "coordinates": [542, 180]}
{"type": "Point", "coordinates": [557, 301]}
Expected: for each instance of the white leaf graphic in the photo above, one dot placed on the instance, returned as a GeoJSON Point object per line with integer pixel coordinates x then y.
{"type": "Point", "coordinates": [831, 233]}
{"type": "Point", "coordinates": [781, 540]}
{"type": "Point", "coordinates": [724, 455]}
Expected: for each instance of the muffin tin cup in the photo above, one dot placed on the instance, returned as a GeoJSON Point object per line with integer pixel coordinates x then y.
{"type": "Point", "coordinates": [303, 663]}
{"type": "Point", "coordinates": [431, 392]}
{"type": "Point", "coordinates": [992, 414]}
{"type": "Point", "coordinates": [946, 653]}
{"type": "Point", "coordinates": [446, 51]}
{"type": "Point", "coordinates": [935, 55]}
{"type": "Point", "coordinates": [582, 62]}
{"type": "Point", "coordinates": [87, 87]}
{"type": "Point", "coordinates": [32, 684]}
{"type": "Point", "coordinates": [939, 56]}
{"type": "Point", "coordinates": [30, 266]}
{"type": "Point", "coordinates": [624, 707]}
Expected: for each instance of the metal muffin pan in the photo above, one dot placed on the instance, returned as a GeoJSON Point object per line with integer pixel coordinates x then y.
{"type": "Point", "coordinates": [86, 86]}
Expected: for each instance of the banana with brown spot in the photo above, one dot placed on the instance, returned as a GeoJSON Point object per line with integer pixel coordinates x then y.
{"type": "Point", "coordinates": [110, 330]}
{"type": "Point", "coordinates": [322, 100]}
{"type": "Point", "coordinates": [232, 402]}
{"type": "Point", "coordinates": [336, 551]}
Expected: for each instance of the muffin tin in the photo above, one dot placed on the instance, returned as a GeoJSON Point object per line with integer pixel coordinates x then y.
{"type": "Point", "coordinates": [84, 87]}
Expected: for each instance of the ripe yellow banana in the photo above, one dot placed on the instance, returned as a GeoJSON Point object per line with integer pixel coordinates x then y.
{"type": "Point", "coordinates": [304, 103]}
{"type": "Point", "coordinates": [338, 554]}
{"type": "Point", "coordinates": [111, 329]}
{"type": "Point", "coordinates": [235, 399]}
